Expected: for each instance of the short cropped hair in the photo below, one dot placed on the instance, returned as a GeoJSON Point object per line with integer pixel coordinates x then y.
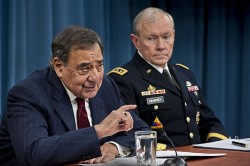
{"type": "Point", "coordinates": [73, 38]}
{"type": "Point", "coordinates": [148, 14]}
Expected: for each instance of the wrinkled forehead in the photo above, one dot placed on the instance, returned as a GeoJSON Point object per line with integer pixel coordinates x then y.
{"type": "Point", "coordinates": [157, 18]}
{"type": "Point", "coordinates": [156, 24]}
{"type": "Point", "coordinates": [94, 53]}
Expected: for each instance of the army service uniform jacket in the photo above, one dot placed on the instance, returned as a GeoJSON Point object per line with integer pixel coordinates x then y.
{"type": "Point", "coordinates": [183, 112]}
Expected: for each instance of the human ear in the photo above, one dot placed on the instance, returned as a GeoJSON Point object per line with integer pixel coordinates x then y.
{"type": "Point", "coordinates": [134, 39]}
{"type": "Point", "coordinates": [58, 66]}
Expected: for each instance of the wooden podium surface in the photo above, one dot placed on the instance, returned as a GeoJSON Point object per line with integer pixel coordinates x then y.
{"type": "Point", "coordinates": [232, 158]}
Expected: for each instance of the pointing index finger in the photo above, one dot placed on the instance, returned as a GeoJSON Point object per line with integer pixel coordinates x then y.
{"type": "Point", "coordinates": [126, 108]}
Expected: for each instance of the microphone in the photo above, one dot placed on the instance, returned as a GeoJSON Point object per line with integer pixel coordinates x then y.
{"type": "Point", "coordinates": [162, 132]}
{"type": "Point", "coordinates": [177, 161]}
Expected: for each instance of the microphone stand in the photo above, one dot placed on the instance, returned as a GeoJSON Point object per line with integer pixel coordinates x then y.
{"type": "Point", "coordinates": [177, 161]}
{"type": "Point", "coordinates": [164, 134]}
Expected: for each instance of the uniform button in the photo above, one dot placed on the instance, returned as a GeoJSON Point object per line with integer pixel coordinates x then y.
{"type": "Point", "coordinates": [199, 102]}
{"type": "Point", "coordinates": [156, 107]}
{"type": "Point", "coordinates": [185, 104]}
{"type": "Point", "coordinates": [188, 119]}
{"type": "Point", "coordinates": [191, 135]}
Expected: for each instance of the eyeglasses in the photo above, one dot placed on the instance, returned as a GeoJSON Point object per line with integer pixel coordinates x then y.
{"type": "Point", "coordinates": [156, 39]}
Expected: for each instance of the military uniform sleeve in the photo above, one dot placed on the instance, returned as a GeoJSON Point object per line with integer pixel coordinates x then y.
{"type": "Point", "coordinates": [210, 127]}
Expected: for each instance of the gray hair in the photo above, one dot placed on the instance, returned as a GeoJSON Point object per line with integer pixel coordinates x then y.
{"type": "Point", "coordinates": [73, 38]}
{"type": "Point", "coordinates": [148, 14]}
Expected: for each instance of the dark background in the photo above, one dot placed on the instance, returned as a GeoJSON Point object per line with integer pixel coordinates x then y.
{"type": "Point", "coordinates": [212, 39]}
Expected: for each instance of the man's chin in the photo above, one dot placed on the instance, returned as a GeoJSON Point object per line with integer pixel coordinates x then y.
{"type": "Point", "coordinates": [160, 61]}
{"type": "Point", "coordinates": [90, 94]}
{"type": "Point", "coordinates": [160, 64]}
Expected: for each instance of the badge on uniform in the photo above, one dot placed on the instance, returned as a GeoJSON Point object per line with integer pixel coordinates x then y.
{"type": "Point", "coordinates": [118, 70]}
{"type": "Point", "coordinates": [198, 117]}
{"type": "Point", "coordinates": [157, 125]}
{"type": "Point", "coordinates": [155, 100]}
{"type": "Point", "coordinates": [188, 83]}
{"type": "Point", "coordinates": [149, 71]}
{"type": "Point", "coordinates": [191, 88]}
{"type": "Point", "coordinates": [152, 91]}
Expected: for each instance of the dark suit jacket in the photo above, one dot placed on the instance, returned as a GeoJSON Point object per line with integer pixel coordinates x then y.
{"type": "Point", "coordinates": [186, 117]}
{"type": "Point", "coordinates": [38, 127]}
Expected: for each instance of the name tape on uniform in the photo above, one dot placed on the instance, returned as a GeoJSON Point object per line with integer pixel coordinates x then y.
{"type": "Point", "coordinates": [155, 100]}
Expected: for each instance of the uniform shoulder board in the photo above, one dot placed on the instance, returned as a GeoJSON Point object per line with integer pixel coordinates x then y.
{"type": "Point", "coordinates": [118, 70]}
{"type": "Point", "coordinates": [178, 64]}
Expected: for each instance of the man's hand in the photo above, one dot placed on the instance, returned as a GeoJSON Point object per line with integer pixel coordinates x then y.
{"type": "Point", "coordinates": [118, 120]}
{"type": "Point", "coordinates": [109, 152]}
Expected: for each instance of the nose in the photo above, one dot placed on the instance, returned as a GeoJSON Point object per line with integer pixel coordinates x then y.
{"type": "Point", "coordinates": [93, 75]}
{"type": "Point", "coordinates": [161, 45]}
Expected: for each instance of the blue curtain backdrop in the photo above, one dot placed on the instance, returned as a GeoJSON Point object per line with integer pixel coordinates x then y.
{"type": "Point", "coordinates": [212, 39]}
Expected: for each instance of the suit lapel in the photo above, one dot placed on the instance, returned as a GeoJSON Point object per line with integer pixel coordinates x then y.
{"type": "Point", "coordinates": [97, 109]}
{"type": "Point", "coordinates": [180, 79]}
{"type": "Point", "coordinates": [150, 74]}
{"type": "Point", "coordinates": [65, 112]}
{"type": "Point", "coordinates": [62, 101]}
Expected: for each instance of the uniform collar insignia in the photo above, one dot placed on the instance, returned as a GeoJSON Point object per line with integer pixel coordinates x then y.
{"type": "Point", "coordinates": [149, 71]}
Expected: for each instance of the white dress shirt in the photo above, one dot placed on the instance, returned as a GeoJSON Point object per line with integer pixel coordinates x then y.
{"type": "Point", "coordinates": [160, 69]}
{"type": "Point", "coordinates": [123, 151]}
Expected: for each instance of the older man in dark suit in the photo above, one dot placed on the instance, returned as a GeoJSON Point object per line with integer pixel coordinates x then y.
{"type": "Point", "coordinates": [68, 111]}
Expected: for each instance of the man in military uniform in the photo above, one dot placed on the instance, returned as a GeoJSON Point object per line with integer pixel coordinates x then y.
{"type": "Point", "coordinates": [162, 91]}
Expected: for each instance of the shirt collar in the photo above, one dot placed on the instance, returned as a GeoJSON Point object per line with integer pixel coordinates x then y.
{"type": "Point", "coordinates": [160, 69]}
{"type": "Point", "coordinates": [72, 97]}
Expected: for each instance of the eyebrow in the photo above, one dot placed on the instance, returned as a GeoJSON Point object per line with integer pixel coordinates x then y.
{"type": "Point", "coordinates": [99, 61]}
{"type": "Point", "coordinates": [84, 64]}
